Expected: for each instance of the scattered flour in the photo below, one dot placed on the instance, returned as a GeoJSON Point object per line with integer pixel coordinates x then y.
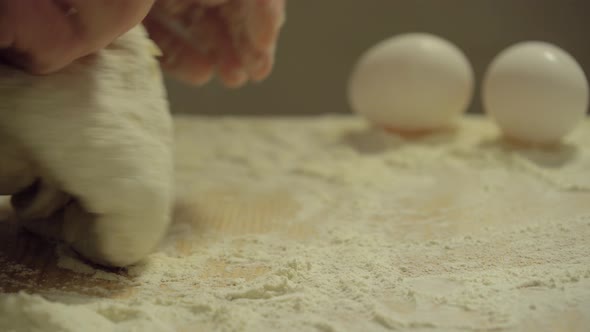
{"type": "Point", "coordinates": [456, 231]}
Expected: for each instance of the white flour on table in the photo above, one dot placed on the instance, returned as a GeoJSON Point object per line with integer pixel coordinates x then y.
{"type": "Point", "coordinates": [366, 231]}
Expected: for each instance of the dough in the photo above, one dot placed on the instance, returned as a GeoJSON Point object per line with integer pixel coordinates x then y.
{"type": "Point", "coordinates": [87, 152]}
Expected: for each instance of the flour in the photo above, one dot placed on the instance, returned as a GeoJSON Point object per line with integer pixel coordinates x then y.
{"type": "Point", "coordinates": [376, 232]}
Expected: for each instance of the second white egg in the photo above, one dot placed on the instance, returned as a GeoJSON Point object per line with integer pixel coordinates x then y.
{"type": "Point", "coordinates": [536, 92]}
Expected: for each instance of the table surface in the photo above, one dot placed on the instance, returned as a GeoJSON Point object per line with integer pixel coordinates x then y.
{"type": "Point", "coordinates": [318, 181]}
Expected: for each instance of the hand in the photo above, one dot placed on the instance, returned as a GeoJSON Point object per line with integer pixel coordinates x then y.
{"type": "Point", "coordinates": [234, 39]}
{"type": "Point", "coordinates": [44, 36]}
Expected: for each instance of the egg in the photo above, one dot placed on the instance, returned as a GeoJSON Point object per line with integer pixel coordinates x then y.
{"type": "Point", "coordinates": [412, 82]}
{"type": "Point", "coordinates": [536, 92]}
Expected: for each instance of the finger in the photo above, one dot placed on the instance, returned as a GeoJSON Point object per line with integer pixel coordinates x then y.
{"type": "Point", "coordinates": [214, 28]}
{"type": "Point", "coordinates": [231, 73]}
{"type": "Point", "coordinates": [200, 29]}
{"type": "Point", "coordinates": [263, 20]}
{"type": "Point", "coordinates": [255, 63]}
{"type": "Point", "coordinates": [205, 30]}
{"type": "Point", "coordinates": [189, 66]}
{"type": "Point", "coordinates": [180, 59]}
{"type": "Point", "coordinates": [229, 66]}
{"type": "Point", "coordinates": [263, 66]}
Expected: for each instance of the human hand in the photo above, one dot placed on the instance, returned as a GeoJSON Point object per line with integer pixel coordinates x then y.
{"type": "Point", "coordinates": [234, 39]}
{"type": "Point", "coordinates": [43, 36]}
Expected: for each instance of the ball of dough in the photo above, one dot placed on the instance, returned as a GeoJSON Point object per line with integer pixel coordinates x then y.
{"type": "Point", "coordinates": [94, 151]}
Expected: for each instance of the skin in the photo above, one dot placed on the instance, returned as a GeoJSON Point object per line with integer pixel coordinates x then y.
{"type": "Point", "coordinates": [231, 39]}
{"type": "Point", "coordinates": [44, 36]}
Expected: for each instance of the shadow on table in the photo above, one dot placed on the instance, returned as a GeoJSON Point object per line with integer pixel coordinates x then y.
{"type": "Point", "coordinates": [29, 263]}
{"type": "Point", "coordinates": [553, 156]}
{"type": "Point", "coordinates": [372, 140]}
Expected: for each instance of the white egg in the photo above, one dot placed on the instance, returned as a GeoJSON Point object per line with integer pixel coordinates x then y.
{"type": "Point", "coordinates": [536, 92]}
{"type": "Point", "coordinates": [411, 82]}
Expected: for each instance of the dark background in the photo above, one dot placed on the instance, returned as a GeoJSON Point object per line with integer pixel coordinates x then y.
{"type": "Point", "coordinates": [323, 38]}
